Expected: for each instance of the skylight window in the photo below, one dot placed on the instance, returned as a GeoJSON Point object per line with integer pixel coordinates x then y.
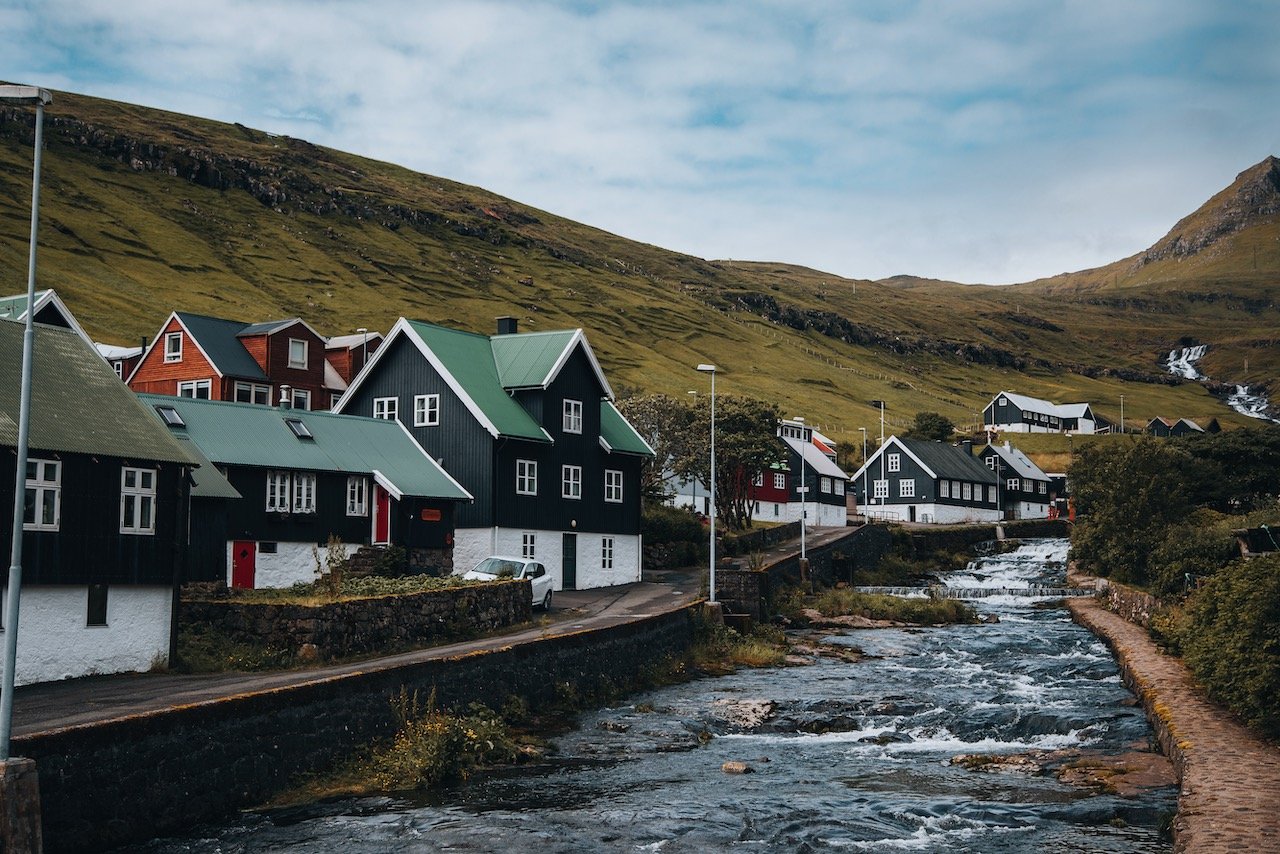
{"type": "Point", "coordinates": [299, 429]}
{"type": "Point", "coordinates": [171, 416]}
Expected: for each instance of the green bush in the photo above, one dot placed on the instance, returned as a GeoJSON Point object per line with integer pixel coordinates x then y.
{"type": "Point", "coordinates": [1197, 547]}
{"type": "Point", "coordinates": [663, 524]}
{"type": "Point", "coordinates": [929, 612]}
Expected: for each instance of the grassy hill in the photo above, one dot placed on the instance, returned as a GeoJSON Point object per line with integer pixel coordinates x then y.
{"type": "Point", "coordinates": [145, 211]}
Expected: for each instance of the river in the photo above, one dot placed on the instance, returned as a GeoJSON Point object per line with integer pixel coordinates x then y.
{"type": "Point", "coordinates": [844, 756]}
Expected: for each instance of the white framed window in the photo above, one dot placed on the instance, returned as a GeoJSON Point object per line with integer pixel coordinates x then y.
{"type": "Point", "coordinates": [1003, 402]}
{"type": "Point", "coordinates": [571, 481]}
{"type": "Point", "coordinates": [881, 489]}
{"type": "Point", "coordinates": [907, 488]}
{"type": "Point", "coordinates": [944, 489]}
{"type": "Point", "coordinates": [297, 353]}
{"type": "Point", "coordinates": [779, 480]}
{"type": "Point", "coordinates": [529, 546]}
{"type": "Point", "coordinates": [824, 485]}
{"type": "Point", "coordinates": [526, 477]}
{"type": "Point", "coordinates": [42, 506]}
{"type": "Point", "coordinates": [334, 397]}
{"type": "Point", "coordinates": [1026, 485]}
{"type": "Point", "coordinates": [278, 491]}
{"type": "Point", "coordinates": [1042, 487]}
{"type": "Point", "coordinates": [613, 486]}
{"type": "Point", "coordinates": [1012, 483]}
{"type": "Point", "coordinates": [386, 408]}
{"type": "Point", "coordinates": [894, 461]}
{"type": "Point", "coordinates": [839, 485]}
{"type": "Point", "coordinates": [118, 367]}
{"type": "Point", "coordinates": [758, 480]}
{"type": "Point", "coordinates": [96, 613]}
{"type": "Point", "coordinates": [199, 389]}
{"type": "Point", "coordinates": [301, 399]}
{"type": "Point", "coordinates": [137, 501]}
{"type": "Point", "coordinates": [572, 416]}
{"type": "Point", "coordinates": [426, 410]}
{"type": "Point", "coordinates": [991, 463]}
{"type": "Point", "coordinates": [606, 552]}
{"type": "Point", "coordinates": [966, 491]}
{"type": "Point", "coordinates": [252, 393]}
{"type": "Point", "coordinates": [991, 494]}
{"type": "Point", "coordinates": [955, 489]}
{"type": "Point", "coordinates": [173, 347]}
{"type": "Point", "coordinates": [357, 495]}
{"type": "Point", "coordinates": [304, 492]}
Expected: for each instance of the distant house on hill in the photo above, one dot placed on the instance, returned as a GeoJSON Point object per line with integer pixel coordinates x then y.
{"type": "Point", "coordinates": [1167, 427]}
{"type": "Point", "coordinates": [908, 480]}
{"type": "Point", "coordinates": [1017, 413]}
{"type": "Point", "coordinates": [1023, 485]}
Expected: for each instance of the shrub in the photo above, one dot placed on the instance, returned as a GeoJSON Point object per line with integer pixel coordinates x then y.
{"type": "Point", "coordinates": [929, 612]}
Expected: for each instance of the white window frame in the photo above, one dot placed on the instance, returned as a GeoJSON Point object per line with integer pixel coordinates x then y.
{"type": "Point", "coordinates": [279, 491]}
{"type": "Point", "coordinates": [251, 393]}
{"type": "Point", "coordinates": [572, 416]}
{"type": "Point", "coordinates": [304, 492]}
{"type": "Point", "coordinates": [192, 389]}
{"type": "Point", "coordinates": [880, 489]}
{"type": "Point", "coordinates": [966, 492]}
{"type": "Point", "coordinates": [779, 480]}
{"type": "Point", "coordinates": [299, 363]}
{"type": "Point", "coordinates": [824, 484]}
{"type": "Point", "coordinates": [526, 477]}
{"type": "Point", "coordinates": [529, 545]}
{"type": "Point", "coordinates": [137, 491]}
{"type": "Point", "coordinates": [41, 484]}
{"type": "Point", "coordinates": [426, 410]}
{"type": "Point", "coordinates": [118, 366]}
{"type": "Point", "coordinates": [301, 399]}
{"type": "Point", "coordinates": [1013, 484]}
{"type": "Point", "coordinates": [894, 462]}
{"type": "Point", "coordinates": [759, 479]}
{"type": "Point", "coordinates": [606, 552]}
{"type": "Point", "coordinates": [613, 486]}
{"type": "Point", "coordinates": [991, 494]}
{"type": "Point", "coordinates": [944, 488]}
{"type": "Point", "coordinates": [839, 486]}
{"type": "Point", "coordinates": [1042, 487]}
{"type": "Point", "coordinates": [571, 482]}
{"type": "Point", "coordinates": [907, 488]}
{"type": "Point", "coordinates": [386, 408]}
{"type": "Point", "coordinates": [357, 495]}
{"type": "Point", "coordinates": [173, 347]}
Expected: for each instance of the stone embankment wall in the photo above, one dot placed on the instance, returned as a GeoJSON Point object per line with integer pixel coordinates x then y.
{"type": "Point", "coordinates": [922, 542]}
{"type": "Point", "coordinates": [1134, 605]}
{"type": "Point", "coordinates": [364, 626]}
{"type": "Point", "coordinates": [760, 538]}
{"type": "Point", "coordinates": [145, 775]}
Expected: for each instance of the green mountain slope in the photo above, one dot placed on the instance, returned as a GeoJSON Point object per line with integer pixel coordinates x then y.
{"type": "Point", "coordinates": [145, 211]}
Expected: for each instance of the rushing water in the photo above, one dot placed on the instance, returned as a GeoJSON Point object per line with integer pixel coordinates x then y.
{"type": "Point", "coordinates": [1243, 400]}
{"type": "Point", "coordinates": [854, 756]}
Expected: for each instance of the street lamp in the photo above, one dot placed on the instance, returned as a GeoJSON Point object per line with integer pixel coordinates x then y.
{"type": "Point", "coordinates": [38, 97]}
{"type": "Point", "coordinates": [364, 345]}
{"type": "Point", "coordinates": [711, 369]}
{"type": "Point", "coordinates": [1122, 415]}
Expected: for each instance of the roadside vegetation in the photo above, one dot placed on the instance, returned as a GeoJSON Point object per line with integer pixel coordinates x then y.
{"type": "Point", "coordinates": [845, 602]}
{"type": "Point", "coordinates": [1159, 515]}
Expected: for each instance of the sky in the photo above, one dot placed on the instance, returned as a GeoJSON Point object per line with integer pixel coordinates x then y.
{"type": "Point", "coordinates": [988, 141]}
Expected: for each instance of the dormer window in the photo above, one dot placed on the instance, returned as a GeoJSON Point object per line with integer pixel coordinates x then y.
{"type": "Point", "coordinates": [173, 347]}
{"type": "Point", "coordinates": [573, 416]}
{"type": "Point", "coordinates": [297, 353]}
{"type": "Point", "coordinates": [170, 416]}
{"type": "Point", "coordinates": [299, 429]}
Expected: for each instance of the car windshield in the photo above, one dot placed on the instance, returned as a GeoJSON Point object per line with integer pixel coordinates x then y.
{"type": "Point", "coordinates": [499, 567]}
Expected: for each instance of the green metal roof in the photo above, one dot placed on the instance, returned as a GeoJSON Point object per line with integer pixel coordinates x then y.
{"type": "Point", "coordinates": [526, 360]}
{"type": "Point", "coordinates": [14, 307]}
{"type": "Point", "coordinates": [217, 338]}
{"type": "Point", "coordinates": [207, 481]}
{"type": "Point", "coordinates": [617, 432]}
{"type": "Point", "coordinates": [78, 404]}
{"type": "Point", "coordinates": [252, 435]}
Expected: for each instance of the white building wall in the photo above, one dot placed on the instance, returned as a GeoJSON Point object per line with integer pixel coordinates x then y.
{"type": "Point", "coordinates": [54, 642]}
{"type": "Point", "coordinates": [1031, 510]}
{"type": "Point", "coordinates": [478, 543]}
{"type": "Point", "coordinates": [939, 514]}
{"type": "Point", "coordinates": [293, 563]}
{"type": "Point", "coordinates": [821, 515]}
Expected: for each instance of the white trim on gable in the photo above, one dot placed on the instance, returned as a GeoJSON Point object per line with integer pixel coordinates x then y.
{"type": "Point", "coordinates": [159, 341]}
{"type": "Point", "coordinates": [579, 337]}
{"type": "Point", "coordinates": [385, 482]}
{"type": "Point", "coordinates": [893, 440]}
{"type": "Point", "coordinates": [432, 462]}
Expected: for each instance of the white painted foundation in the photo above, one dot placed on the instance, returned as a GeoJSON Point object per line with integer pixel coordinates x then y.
{"type": "Point", "coordinates": [293, 563]}
{"type": "Point", "coordinates": [472, 545]}
{"type": "Point", "coordinates": [821, 515]}
{"type": "Point", "coordinates": [938, 514]}
{"type": "Point", "coordinates": [54, 643]}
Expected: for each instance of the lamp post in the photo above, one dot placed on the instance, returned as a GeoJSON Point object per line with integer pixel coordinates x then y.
{"type": "Point", "coordinates": [364, 345]}
{"type": "Point", "coordinates": [803, 490]}
{"type": "Point", "coordinates": [711, 573]}
{"type": "Point", "coordinates": [1122, 415]}
{"type": "Point", "coordinates": [38, 97]}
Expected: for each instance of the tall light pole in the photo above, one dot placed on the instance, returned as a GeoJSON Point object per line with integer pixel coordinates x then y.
{"type": "Point", "coordinates": [711, 573]}
{"type": "Point", "coordinates": [364, 345]}
{"type": "Point", "coordinates": [1122, 415]}
{"type": "Point", "coordinates": [803, 489]}
{"type": "Point", "coordinates": [863, 431]}
{"type": "Point", "coordinates": [39, 97]}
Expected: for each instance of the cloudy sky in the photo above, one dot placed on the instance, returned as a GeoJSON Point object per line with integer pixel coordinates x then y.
{"type": "Point", "coordinates": [976, 140]}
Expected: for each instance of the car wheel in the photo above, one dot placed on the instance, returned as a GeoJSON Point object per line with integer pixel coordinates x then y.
{"type": "Point", "coordinates": [546, 601]}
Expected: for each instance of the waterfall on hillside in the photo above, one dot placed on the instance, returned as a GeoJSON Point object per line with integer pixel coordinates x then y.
{"type": "Point", "coordinates": [1182, 362]}
{"type": "Point", "coordinates": [1255, 405]}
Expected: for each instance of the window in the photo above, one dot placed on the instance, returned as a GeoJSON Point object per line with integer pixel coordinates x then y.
{"type": "Point", "coordinates": [278, 492]}
{"type": "Point", "coordinates": [386, 408]}
{"type": "Point", "coordinates": [571, 481]}
{"type": "Point", "coordinates": [1003, 402]}
{"type": "Point", "coordinates": [357, 495]}
{"type": "Point", "coordinates": [1042, 487]}
{"type": "Point", "coordinates": [573, 416]}
{"type": "Point", "coordinates": [268, 548]}
{"type": "Point", "coordinates": [199, 389]}
{"type": "Point", "coordinates": [173, 347]}
{"type": "Point", "coordinates": [42, 507]}
{"type": "Point", "coordinates": [966, 491]}
{"type": "Point", "coordinates": [759, 479]}
{"type": "Point", "coordinates": [907, 488]}
{"type": "Point", "coordinates": [613, 486]}
{"type": "Point", "coordinates": [991, 494]}
{"type": "Point", "coordinates": [606, 553]}
{"type": "Point", "coordinates": [334, 397]}
{"type": "Point", "coordinates": [824, 485]}
{"type": "Point", "coordinates": [97, 611]}
{"type": "Point", "coordinates": [944, 489]}
{"type": "Point", "coordinates": [955, 489]}
{"type": "Point", "coordinates": [881, 489]}
{"type": "Point", "coordinates": [779, 480]}
{"type": "Point", "coordinates": [253, 393]}
{"type": "Point", "coordinates": [839, 484]}
{"type": "Point", "coordinates": [1012, 484]}
{"type": "Point", "coordinates": [526, 477]}
{"type": "Point", "coordinates": [137, 501]}
{"type": "Point", "coordinates": [297, 353]}
{"type": "Point", "coordinates": [301, 399]}
{"type": "Point", "coordinates": [170, 416]}
{"type": "Point", "coordinates": [302, 431]}
{"type": "Point", "coordinates": [426, 410]}
{"type": "Point", "coordinates": [991, 463]}
{"type": "Point", "coordinates": [528, 546]}
{"type": "Point", "coordinates": [895, 462]}
{"type": "Point", "coordinates": [118, 367]}
{"type": "Point", "coordinates": [304, 492]}
{"type": "Point", "coordinates": [1026, 484]}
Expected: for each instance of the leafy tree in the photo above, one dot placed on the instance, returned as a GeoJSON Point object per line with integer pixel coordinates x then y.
{"type": "Point", "coordinates": [930, 426]}
{"type": "Point", "coordinates": [1240, 469]}
{"type": "Point", "coordinates": [746, 443]}
{"type": "Point", "coordinates": [666, 424]}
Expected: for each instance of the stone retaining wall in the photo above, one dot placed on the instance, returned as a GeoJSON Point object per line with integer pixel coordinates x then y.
{"type": "Point", "coordinates": [1134, 605]}
{"type": "Point", "coordinates": [363, 626]}
{"type": "Point", "coordinates": [755, 540]}
{"type": "Point", "coordinates": [145, 775]}
{"type": "Point", "coordinates": [923, 542]}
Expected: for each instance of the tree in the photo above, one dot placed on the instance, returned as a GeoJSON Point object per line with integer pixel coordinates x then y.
{"type": "Point", "coordinates": [930, 426]}
{"type": "Point", "coordinates": [666, 424]}
{"type": "Point", "coordinates": [746, 444]}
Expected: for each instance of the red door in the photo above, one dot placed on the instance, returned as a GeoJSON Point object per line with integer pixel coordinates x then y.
{"type": "Point", "coordinates": [244, 563]}
{"type": "Point", "coordinates": [381, 516]}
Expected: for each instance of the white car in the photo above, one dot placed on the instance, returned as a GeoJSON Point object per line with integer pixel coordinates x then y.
{"type": "Point", "coordinates": [496, 567]}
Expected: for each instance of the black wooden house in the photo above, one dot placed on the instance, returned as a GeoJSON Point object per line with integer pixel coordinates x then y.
{"type": "Point", "coordinates": [908, 480]}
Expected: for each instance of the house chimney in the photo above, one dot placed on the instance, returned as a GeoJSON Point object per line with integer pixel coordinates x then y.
{"type": "Point", "coordinates": [967, 444]}
{"type": "Point", "coordinates": [286, 399]}
{"type": "Point", "coordinates": [507, 325]}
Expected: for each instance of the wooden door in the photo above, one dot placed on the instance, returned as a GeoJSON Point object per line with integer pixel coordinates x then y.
{"type": "Point", "coordinates": [381, 516]}
{"type": "Point", "coordinates": [244, 563]}
{"type": "Point", "coordinates": [569, 562]}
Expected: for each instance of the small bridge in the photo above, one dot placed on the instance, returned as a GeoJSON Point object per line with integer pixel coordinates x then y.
{"type": "Point", "coordinates": [940, 592]}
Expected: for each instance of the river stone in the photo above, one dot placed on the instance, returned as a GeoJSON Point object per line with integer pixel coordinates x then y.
{"type": "Point", "coordinates": [733, 766]}
{"type": "Point", "coordinates": [743, 714]}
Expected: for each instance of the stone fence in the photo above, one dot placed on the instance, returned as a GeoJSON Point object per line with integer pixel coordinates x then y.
{"type": "Point", "coordinates": [364, 626]}
{"type": "Point", "coordinates": [1134, 605]}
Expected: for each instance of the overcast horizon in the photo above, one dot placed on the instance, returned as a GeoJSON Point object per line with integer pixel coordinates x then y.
{"type": "Point", "coordinates": [990, 142]}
